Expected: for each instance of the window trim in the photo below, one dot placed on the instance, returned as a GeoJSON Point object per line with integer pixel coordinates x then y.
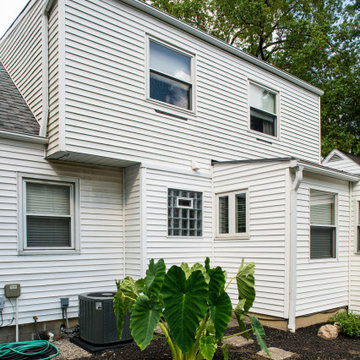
{"type": "Point", "coordinates": [73, 183]}
{"type": "Point", "coordinates": [277, 94]}
{"type": "Point", "coordinates": [232, 218]}
{"type": "Point", "coordinates": [192, 110]}
{"type": "Point", "coordinates": [334, 227]}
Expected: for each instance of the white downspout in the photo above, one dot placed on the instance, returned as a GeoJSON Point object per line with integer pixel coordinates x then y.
{"type": "Point", "coordinates": [351, 240]}
{"type": "Point", "coordinates": [292, 277]}
{"type": "Point", "coordinates": [45, 68]}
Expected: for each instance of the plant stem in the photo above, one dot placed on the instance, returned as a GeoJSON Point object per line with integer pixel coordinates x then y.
{"type": "Point", "coordinates": [230, 282]}
{"type": "Point", "coordinates": [240, 333]}
{"type": "Point", "coordinates": [169, 340]}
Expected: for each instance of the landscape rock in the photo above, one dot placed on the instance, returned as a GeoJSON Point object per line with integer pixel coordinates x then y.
{"type": "Point", "coordinates": [328, 332]}
{"type": "Point", "coordinates": [276, 354]}
{"type": "Point", "coordinates": [238, 341]}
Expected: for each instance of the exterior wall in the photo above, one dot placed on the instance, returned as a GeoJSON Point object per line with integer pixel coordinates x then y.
{"type": "Point", "coordinates": [46, 278]}
{"type": "Point", "coordinates": [21, 55]}
{"type": "Point", "coordinates": [355, 256]}
{"type": "Point", "coordinates": [156, 242]}
{"type": "Point", "coordinates": [107, 113]}
{"type": "Point", "coordinates": [346, 165]}
{"type": "Point", "coordinates": [267, 244]}
{"type": "Point", "coordinates": [322, 284]}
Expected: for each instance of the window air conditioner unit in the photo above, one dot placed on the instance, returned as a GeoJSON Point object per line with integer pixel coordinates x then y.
{"type": "Point", "coordinates": [97, 319]}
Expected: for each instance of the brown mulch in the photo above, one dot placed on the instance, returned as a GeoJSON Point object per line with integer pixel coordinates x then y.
{"type": "Point", "coordinates": [305, 343]}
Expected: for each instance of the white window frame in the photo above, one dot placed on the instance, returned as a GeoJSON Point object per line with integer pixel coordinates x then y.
{"type": "Point", "coordinates": [190, 111]}
{"type": "Point", "coordinates": [232, 218]}
{"type": "Point", "coordinates": [277, 114]}
{"type": "Point", "coordinates": [334, 226]}
{"type": "Point", "coordinates": [73, 184]}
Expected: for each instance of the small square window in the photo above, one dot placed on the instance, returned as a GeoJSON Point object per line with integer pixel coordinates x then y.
{"type": "Point", "coordinates": [48, 215]}
{"type": "Point", "coordinates": [184, 213]}
{"type": "Point", "coordinates": [232, 214]}
{"type": "Point", "coordinates": [322, 225]}
{"type": "Point", "coordinates": [170, 76]}
{"type": "Point", "coordinates": [263, 110]}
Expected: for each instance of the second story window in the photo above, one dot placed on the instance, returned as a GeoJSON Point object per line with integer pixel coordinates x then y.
{"type": "Point", "coordinates": [263, 110]}
{"type": "Point", "coordinates": [170, 76]}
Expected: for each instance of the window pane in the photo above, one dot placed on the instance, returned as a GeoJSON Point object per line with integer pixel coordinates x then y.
{"type": "Point", "coordinates": [170, 91]}
{"type": "Point", "coordinates": [262, 99]}
{"type": "Point", "coordinates": [262, 122]}
{"type": "Point", "coordinates": [47, 199]}
{"type": "Point", "coordinates": [322, 243]}
{"type": "Point", "coordinates": [322, 208]}
{"type": "Point", "coordinates": [170, 62]}
{"type": "Point", "coordinates": [240, 215]}
{"type": "Point", "coordinates": [48, 231]}
{"type": "Point", "coordinates": [223, 214]}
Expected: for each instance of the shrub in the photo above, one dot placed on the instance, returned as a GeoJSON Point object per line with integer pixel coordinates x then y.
{"type": "Point", "coordinates": [348, 322]}
{"type": "Point", "coordinates": [190, 305]}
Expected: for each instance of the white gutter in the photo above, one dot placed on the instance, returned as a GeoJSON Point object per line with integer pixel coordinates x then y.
{"type": "Point", "coordinates": [293, 217]}
{"type": "Point", "coordinates": [146, 8]}
{"type": "Point", "coordinates": [45, 68]}
{"type": "Point", "coordinates": [23, 137]}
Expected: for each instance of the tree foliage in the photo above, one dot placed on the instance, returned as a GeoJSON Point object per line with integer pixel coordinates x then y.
{"type": "Point", "coordinates": [315, 40]}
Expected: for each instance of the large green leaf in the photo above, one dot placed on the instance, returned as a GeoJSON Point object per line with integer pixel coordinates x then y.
{"type": "Point", "coordinates": [220, 312]}
{"type": "Point", "coordinates": [246, 284]}
{"type": "Point", "coordinates": [225, 351]}
{"type": "Point", "coordinates": [207, 347]}
{"type": "Point", "coordinates": [217, 281]}
{"type": "Point", "coordinates": [144, 318]}
{"type": "Point", "coordinates": [155, 277]}
{"type": "Point", "coordinates": [124, 300]}
{"type": "Point", "coordinates": [185, 303]}
{"type": "Point", "coordinates": [240, 316]}
{"type": "Point", "coordinates": [260, 333]}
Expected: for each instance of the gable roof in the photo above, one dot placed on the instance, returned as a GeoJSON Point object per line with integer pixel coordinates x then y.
{"type": "Point", "coordinates": [15, 115]}
{"type": "Point", "coordinates": [355, 158]}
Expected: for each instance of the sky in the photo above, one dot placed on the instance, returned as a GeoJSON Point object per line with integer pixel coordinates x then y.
{"type": "Point", "coordinates": [9, 10]}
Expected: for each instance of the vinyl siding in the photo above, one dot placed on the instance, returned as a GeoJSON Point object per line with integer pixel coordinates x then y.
{"type": "Point", "coordinates": [20, 53]}
{"type": "Point", "coordinates": [355, 257]}
{"type": "Point", "coordinates": [107, 113]}
{"type": "Point", "coordinates": [346, 165]}
{"type": "Point", "coordinates": [46, 278]}
{"type": "Point", "coordinates": [267, 246]}
{"type": "Point", "coordinates": [322, 284]}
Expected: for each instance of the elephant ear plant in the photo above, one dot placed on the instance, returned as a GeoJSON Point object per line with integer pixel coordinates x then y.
{"type": "Point", "coordinates": [190, 305]}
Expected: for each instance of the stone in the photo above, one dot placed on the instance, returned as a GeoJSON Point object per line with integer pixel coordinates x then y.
{"type": "Point", "coordinates": [328, 332]}
{"type": "Point", "coordinates": [238, 341]}
{"type": "Point", "coordinates": [276, 354]}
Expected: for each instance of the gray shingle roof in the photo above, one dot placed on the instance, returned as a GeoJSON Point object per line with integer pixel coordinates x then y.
{"type": "Point", "coordinates": [15, 115]}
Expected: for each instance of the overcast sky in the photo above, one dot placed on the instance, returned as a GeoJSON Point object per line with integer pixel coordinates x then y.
{"type": "Point", "coordinates": [9, 10]}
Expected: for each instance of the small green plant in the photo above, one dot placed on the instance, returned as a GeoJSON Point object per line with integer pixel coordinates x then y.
{"type": "Point", "coordinates": [348, 322]}
{"type": "Point", "coordinates": [190, 305]}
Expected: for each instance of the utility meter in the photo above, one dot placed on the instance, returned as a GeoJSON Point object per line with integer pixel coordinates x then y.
{"type": "Point", "coordinates": [12, 290]}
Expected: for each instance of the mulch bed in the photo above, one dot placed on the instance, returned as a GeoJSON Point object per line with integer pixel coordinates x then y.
{"type": "Point", "coordinates": [305, 343]}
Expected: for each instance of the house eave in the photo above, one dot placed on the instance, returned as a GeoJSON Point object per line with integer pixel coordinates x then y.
{"type": "Point", "coordinates": [23, 137]}
{"type": "Point", "coordinates": [161, 15]}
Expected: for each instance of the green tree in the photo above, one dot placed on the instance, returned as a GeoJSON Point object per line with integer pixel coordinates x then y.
{"type": "Point", "coordinates": [315, 40]}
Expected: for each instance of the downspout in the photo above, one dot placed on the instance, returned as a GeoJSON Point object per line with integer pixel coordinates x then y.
{"type": "Point", "coordinates": [351, 240]}
{"type": "Point", "coordinates": [45, 68]}
{"type": "Point", "coordinates": [293, 222]}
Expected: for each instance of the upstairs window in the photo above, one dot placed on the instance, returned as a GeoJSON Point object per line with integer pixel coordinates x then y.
{"type": "Point", "coordinates": [48, 215]}
{"type": "Point", "coordinates": [232, 214]}
{"type": "Point", "coordinates": [184, 213]}
{"type": "Point", "coordinates": [322, 225]}
{"type": "Point", "coordinates": [170, 76]}
{"type": "Point", "coordinates": [263, 110]}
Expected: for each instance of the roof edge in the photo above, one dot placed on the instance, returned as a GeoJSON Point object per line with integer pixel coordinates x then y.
{"type": "Point", "coordinates": [247, 161]}
{"type": "Point", "coordinates": [23, 137]}
{"type": "Point", "coordinates": [151, 10]}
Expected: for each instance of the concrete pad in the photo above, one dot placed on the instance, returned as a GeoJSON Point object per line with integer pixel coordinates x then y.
{"type": "Point", "coordinates": [238, 341]}
{"type": "Point", "coordinates": [276, 354]}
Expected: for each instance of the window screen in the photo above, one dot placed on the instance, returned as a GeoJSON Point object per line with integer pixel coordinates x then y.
{"type": "Point", "coordinates": [322, 228]}
{"type": "Point", "coordinates": [184, 213]}
{"type": "Point", "coordinates": [48, 215]}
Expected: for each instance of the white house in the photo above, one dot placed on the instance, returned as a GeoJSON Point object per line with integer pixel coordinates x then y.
{"type": "Point", "coordinates": [157, 140]}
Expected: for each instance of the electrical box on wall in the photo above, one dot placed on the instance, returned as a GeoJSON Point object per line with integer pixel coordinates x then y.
{"type": "Point", "coordinates": [12, 290]}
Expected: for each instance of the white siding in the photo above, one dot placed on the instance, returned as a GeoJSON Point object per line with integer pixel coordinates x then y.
{"type": "Point", "coordinates": [322, 284]}
{"type": "Point", "coordinates": [132, 222]}
{"type": "Point", "coordinates": [174, 250]}
{"type": "Point", "coordinates": [355, 257]}
{"type": "Point", "coordinates": [20, 53]}
{"type": "Point", "coordinates": [267, 244]}
{"type": "Point", "coordinates": [346, 164]}
{"type": "Point", "coordinates": [107, 113]}
{"type": "Point", "coordinates": [46, 278]}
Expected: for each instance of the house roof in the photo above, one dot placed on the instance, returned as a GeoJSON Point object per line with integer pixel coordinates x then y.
{"type": "Point", "coordinates": [307, 165]}
{"type": "Point", "coordinates": [15, 115]}
{"type": "Point", "coordinates": [355, 158]}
